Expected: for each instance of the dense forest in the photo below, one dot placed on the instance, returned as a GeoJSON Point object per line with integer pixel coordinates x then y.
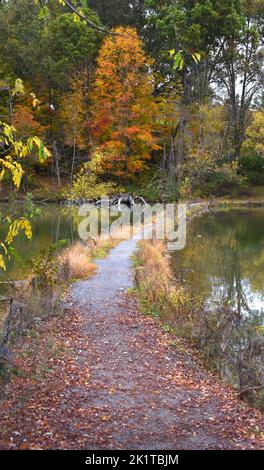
{"type": "Point", "coordinates": [160, 98]}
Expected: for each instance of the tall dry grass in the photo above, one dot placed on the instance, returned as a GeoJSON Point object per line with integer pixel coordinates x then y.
{"type": "Point", "coordinates": [78, 259]}
{"type": "Point", "coordinates": [160, 293]}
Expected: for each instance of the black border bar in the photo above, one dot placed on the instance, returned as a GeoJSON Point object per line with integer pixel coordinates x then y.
{"type": "Point", "coordinates": [127, 459]}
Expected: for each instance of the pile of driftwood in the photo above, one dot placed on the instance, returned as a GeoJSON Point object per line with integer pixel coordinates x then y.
{"type": "Point", "coordinates": [122, 199]}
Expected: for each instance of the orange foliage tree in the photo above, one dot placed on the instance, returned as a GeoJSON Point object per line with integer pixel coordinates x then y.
{"type": "Point", "coordinates": [25, 123]}
{"type": "Point", "coordinates": [123, 107]}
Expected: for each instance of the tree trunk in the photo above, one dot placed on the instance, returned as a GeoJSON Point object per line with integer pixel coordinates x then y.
{"type": "Point", "coordinates": [181, 128]}
{"type": "Point", "coordinates": [56, 159]}
{"type": "Point", "coordinates": [73, 153]}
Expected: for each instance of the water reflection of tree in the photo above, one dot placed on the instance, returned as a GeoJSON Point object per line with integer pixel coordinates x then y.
{"type": "Point", "coordinates": [226, 262]}
{"type": "Point", "coordinates": [53, 224]}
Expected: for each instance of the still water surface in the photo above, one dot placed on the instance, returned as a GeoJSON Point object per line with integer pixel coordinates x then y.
{"type": "Point", "coordinates": [223, 261]}
{"type": "Point", "coordinates": [52, 224]}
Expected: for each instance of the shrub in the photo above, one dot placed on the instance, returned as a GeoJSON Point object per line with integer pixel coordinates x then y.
{"type": "Point", "coordinates": [225, 180]}
{"type": "Point", "coordinates": [185, 189]}
{"type": "Point", "coordinates": [45, 269]}
{"type": "Point", "coordinates": [90, 183]}
{"type": "Point", "coordinates": [204, 176]}
{"type": "Point", "coordinates": [252, 167]}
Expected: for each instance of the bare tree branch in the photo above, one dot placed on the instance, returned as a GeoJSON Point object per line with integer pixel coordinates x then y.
{"type": "Point", "coordinates": [87, 20]}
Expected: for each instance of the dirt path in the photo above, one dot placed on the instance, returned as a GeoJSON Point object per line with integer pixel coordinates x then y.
{"type": "Point", "coordinates": [106, 377]}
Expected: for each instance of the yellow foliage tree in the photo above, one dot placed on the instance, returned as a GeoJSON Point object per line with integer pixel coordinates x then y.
{"type": "Point", "coordinates": [13, 151]}
{"type": "Point", "coordinates": [90, 182]}
{"type": "Point", "coordinates": [255, 132]}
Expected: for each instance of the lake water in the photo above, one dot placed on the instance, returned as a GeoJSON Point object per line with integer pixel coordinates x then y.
{"type": "Point", "coordinates": [223, 261]}
{"type": "Point", "coordinates": [54, 223]}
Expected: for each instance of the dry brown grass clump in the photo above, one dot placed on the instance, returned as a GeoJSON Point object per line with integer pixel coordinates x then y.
{"type": "Point", "coordinates": [153, 272]}
{"type": "Point", "coordinates": [78, 258]}
{"type": "Point", "coordinates": [160, 292]}
{"type": "Point", "coordinates": [79, 261]}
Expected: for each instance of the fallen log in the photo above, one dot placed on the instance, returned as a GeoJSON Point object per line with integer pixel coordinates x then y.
{"type": "Point", "coordinates": [14, 282]}
{"type": "Point", "coordinates": [119, 200]}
